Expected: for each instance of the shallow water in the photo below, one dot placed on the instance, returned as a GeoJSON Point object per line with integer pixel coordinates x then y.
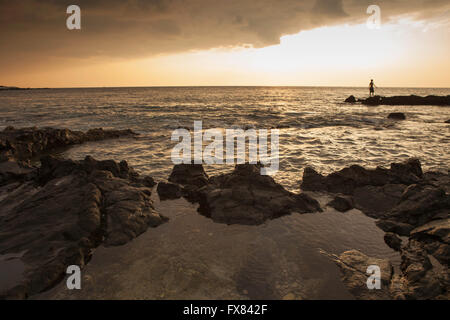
{"type": "Point", "coordinates": [191, 257]}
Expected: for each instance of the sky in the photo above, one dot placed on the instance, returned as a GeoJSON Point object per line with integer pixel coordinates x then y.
{"type": "Point", "coordinates": [225, 42]}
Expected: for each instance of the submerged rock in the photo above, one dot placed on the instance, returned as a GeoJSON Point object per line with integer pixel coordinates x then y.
{"type": "Point", "coordinates": [69, 208]}
{"type": "Point", "coordinates": [354, 266]}
{"type": "Point", "coordinates": [397, 116]}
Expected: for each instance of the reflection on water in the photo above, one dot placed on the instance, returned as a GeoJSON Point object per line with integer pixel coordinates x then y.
{"type": "Point", "coordinates": [191, 257]}
{"type": "Point", "coordinates": [11, 270]}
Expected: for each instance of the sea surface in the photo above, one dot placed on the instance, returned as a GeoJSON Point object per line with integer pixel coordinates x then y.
{"type": "Point", "coordinates": [316, 128]}
{"type": "Point", "coordinates": [193, 257]}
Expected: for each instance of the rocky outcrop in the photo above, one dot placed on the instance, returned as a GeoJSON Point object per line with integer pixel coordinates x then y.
{"type": "Point", "coordinates": [26, 143]}
{"type": "Point", "coordinates": [350, 99]}
{"type": "Point", "coordinates": [243, 196]}
{"type": "Point", "coordinates": [411, 100]}
{"type": "Point", "coordinates": [418, 277]}
{"type": "Point", "coordinates": [66, 209]}
{"type": "Point", "coordinates": [347, 180]}
{"type": "Point", "coordinates": [407, 203]}
{"type": "Point", "coordinates": [397, 116]}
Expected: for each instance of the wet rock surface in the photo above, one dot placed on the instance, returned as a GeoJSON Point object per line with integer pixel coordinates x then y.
{"type": "Point", "coordinates": [411, 100]}
{"type": "Point", "coordinates": [25, 143]}
{"type": "Point", "coordinates": [354, 266]}
{"type": "Point", "coordinates": [243, 196]}
{"type": "Point", "coordinates": [54, 215]}
{"type": "Point", "coordinates": [407, 203]}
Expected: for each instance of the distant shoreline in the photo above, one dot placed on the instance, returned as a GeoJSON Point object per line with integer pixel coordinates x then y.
{"type": "Point", "coordinates": [7, 88]}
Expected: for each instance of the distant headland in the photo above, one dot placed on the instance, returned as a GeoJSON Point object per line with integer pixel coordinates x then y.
{"type": "Point", "coordinates": [17, 88]}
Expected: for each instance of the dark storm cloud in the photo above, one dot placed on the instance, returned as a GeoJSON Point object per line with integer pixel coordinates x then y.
{"type": "Point", "coordinates": [34, 32]}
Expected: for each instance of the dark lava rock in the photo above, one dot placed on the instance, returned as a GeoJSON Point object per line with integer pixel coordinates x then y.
{"type": "Point", "coordinates": [348, 179]}
{"type": "Point", "coordinates": [244, 196]}
{"type": "Point", "coordinates": [448, 121]}
{"type": "Point", "coordinates": [375, 201]}
{"type": "Point", "coordinates": [341, 204]}
{"type": "Point", "coordinates": [418, 277]}
{"type": "Point", "coordinates": [411, 100]}
{"type": "Point", "coordinates": [406, 202]}
{"type": "Point", "coordinates": [393, 241]}
{"type": "Point", "coordinates": [56, 219]}
{"type": "Point", "coordinates": [350, 99]}
{"type": "Point", "coordinates": [25, 143]}
{"type": "Point", "coordinates": [189, 174]}
{"type": "Point", "coordinates": [168, 191]}
{"type": "Point", "coordinates": [397, 116]}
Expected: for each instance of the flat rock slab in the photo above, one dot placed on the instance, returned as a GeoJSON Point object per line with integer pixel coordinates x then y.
{"type": "Point", "coordinates": [411, 100]}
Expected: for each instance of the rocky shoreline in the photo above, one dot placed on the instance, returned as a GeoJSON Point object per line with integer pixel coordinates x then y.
{"type": "Point", "coordinates": [411, 100]}
{"type": "Point", "coordinates": [55, 214]}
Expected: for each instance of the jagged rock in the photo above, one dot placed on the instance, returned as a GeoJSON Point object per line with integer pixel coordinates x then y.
{"type": "Point", "coordinates": [341, 204]}
{"type": "Point", "coordinates": [435, 238]}
{"type": "Point", "coordinates": [397, 116]}
{"type": "Point", "coordinates": [70, 208]}
{"type": "Point", "coordinates": [247, 197]}
{"type": "Point", "coordinates": [350, 99]}
{"type": "Point", "coordinates": [393, 241]}
{"type": "Point", "coordinates": [354, 264]}
{"type": "Point", "coordinates": [25, 143]}
{"type": "Point", "coordinates": [422, 280]}
{"type": "Point", "coordinates": [420, 204]}
{"type": "Point", "coordinates": [348, 179]}
{"type": "Point", "coordinates": [11, 171]}
{"type": "Point", "coordinates": [168, 191]}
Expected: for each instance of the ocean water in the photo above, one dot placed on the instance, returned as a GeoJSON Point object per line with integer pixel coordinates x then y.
{"type": "Point", "coordinates": [191, 257]}
{"type": "Point", "coordinates": [316, 128]}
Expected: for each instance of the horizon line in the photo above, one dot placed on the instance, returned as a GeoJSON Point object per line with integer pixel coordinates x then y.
{"type": "Point", "coordinates": [220, 86]}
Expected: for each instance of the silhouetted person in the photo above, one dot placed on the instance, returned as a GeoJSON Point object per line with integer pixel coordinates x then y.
{"type": "Point", "coordinates": [372, 87]}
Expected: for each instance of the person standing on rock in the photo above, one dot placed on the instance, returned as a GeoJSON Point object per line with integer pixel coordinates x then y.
{"type": "Point", "coordinates": [371, 88]}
